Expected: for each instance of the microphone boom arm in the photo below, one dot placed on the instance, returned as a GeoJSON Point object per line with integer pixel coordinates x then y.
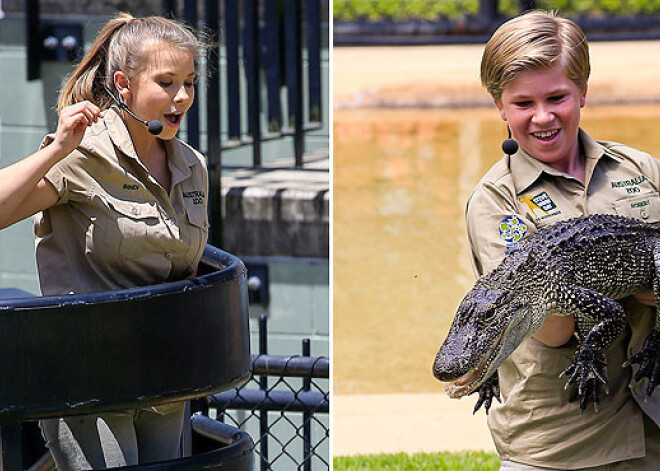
{"type": "Point", "coordinates": [155, 127]}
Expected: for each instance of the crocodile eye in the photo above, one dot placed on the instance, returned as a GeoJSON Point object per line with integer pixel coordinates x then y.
{"type": "Point", "coordinates": [486, 311]}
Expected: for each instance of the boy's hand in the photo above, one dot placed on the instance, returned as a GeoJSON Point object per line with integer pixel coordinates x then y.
{"type": "Point", "coordinates": [647, 299]}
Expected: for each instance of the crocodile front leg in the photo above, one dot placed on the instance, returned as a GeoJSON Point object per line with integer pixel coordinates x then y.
{"type": "Point", "coordinates": [588, 371]}
{"type": "Point", "coordinates": [488, 390]}
{"type": "Point", "coordinates": [648, 359]}
{"type": "Point", "coordinates": [603, 319]}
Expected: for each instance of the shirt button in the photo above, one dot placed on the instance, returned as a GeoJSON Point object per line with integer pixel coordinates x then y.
{"type": "Point", "coordinates": [135, 210]}
{"type": "Point", "coordinates": [644, 214]}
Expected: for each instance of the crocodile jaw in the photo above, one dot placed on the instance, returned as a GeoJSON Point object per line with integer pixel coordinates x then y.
{"type": "Point", "coordinates": [472, 379]}
{"type": "Point", "coordinates": [519, 327]}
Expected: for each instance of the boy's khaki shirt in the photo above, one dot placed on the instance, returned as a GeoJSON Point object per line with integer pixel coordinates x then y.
{"type": "Point", "coordinates": [536, 424]}
{"type": "Point", "coordinates": [114, 226]}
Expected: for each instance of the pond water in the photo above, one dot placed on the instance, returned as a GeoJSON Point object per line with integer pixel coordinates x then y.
{"type": "Point", "coordinates": [401, 265]}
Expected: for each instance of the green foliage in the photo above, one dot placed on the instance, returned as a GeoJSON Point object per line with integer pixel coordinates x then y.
{"type": "Point", "coordinates": [430, 10]}
{"type": "Point", "coordinates": [509, 7]}
{"type": "Point", "coordinates": [444, 461]}
{"type": "Point", "coordinates": [402, 10]}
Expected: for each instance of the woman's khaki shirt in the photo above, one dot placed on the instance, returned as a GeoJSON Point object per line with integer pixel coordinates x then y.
{"type": "Point", "coordinates": [536, 424]}
{"type": "Point", "coordinates": [114, 226]}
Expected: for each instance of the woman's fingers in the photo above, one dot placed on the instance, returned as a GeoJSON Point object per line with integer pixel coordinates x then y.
{"type": "Point", "coordinates": [73, 121]}
{"type": "Point", "coordinates": [85, 109]}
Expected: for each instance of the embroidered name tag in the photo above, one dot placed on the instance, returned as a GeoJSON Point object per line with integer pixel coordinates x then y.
{"type": "Point", "coordinates": [631, 185]}
{"type": "Point", "coordinates": [196, 196]}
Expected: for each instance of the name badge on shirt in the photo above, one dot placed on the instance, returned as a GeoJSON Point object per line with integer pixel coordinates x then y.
{"type": "Point", "coordinates": [540, 206]}
{"type": "Point", "coordinates": [197, 196]}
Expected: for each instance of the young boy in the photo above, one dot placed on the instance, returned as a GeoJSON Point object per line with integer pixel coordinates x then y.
{"type": "Point", "coordinates": [536, 68]}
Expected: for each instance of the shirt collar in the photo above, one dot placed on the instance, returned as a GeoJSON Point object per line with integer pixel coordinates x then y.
{"type": "Point", "coordinates": [119, 134]}
{"type": "Point", "coordinates": [527, 170]}
{"type": "Point", "coordinates": [179, 162]}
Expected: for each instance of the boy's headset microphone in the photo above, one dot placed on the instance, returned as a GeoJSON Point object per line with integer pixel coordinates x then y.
{"type": "Point", "coordinates": [509, 146]}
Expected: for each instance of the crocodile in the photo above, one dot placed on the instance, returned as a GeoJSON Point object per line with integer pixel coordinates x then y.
{"type": "Point", "coordinates": [579, 267]}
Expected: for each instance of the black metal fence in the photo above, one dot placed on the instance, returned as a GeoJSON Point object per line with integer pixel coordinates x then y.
{"type": "Point", "coordinates": [277, 44]}
{"type": "Point", "coordinates": [456, 21]}
{"type": "Point", "coordinates": [284, 407]}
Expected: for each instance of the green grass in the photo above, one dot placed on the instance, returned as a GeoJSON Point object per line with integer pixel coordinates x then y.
{"type": "Point", "coordinates": [444, 461]}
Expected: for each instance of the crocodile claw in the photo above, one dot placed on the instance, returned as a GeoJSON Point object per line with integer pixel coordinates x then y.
{"type": "Point", "coordinates": [648, 359]}
{"type": "Point", "coordinates": [487, 391]}
{"type": "Point", "coordinates": [587, 372]}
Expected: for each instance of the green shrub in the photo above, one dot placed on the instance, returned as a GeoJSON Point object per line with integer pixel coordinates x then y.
{"type": "Point", "coordinates": [430, 10]}
{"type": "Point", "coordinates": [402, 10]}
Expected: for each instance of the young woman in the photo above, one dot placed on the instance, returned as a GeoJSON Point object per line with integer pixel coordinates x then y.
{"type": "Point", "coordinates": [536, 68]}
{"type": "Point", "coordinates": [125, 208]}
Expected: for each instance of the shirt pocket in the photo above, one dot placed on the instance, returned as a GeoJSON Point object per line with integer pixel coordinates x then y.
{"type": "Point", "coordinates": [197, 232]}
{"type": "Point", "coordinates": [135, 226]}
{"type": "Point", "coordinates": [197, 217]}
{"type": "Point", "coordinates": [644, 206]}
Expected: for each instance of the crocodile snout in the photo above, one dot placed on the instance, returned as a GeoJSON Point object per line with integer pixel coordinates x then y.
{"type": "Point", "coordinates": [448, 365]}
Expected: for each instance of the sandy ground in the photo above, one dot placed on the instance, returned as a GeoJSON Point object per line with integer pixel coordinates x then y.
{"type": "Point", "coordinates": [441, 76]}
{"type": "Point", "coordinates": [391, 423]}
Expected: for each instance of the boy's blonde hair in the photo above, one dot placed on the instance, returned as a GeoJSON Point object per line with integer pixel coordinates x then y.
{"type": "Point", "coordinates": [532, 41]}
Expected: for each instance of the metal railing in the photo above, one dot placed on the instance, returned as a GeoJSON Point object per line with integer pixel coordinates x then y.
{"type": "Point", "coordinates": [280, 406]}
{"type": "Point", "coordinates": [261, 42]}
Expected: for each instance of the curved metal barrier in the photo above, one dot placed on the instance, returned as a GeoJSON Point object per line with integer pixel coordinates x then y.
{"type": "Point", "coordinates": [92, 353]}
{"type": "Point", "coordinates": [235, 455]}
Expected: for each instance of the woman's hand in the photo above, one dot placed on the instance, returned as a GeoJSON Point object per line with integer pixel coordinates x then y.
{"type": "Point", "coordinates": [71, 126]}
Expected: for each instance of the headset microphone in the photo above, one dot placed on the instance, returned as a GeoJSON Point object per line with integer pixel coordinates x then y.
{"type": "Point", "coordinates": [155, 127]}
{"type": "Point", "coordinates": [510, 146]}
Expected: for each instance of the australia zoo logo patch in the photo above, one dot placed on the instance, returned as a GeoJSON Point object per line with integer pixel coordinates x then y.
{"type": "Point", "coordinates": [512, 230]}
{"type": "Point", "coordinates": [541, 206]}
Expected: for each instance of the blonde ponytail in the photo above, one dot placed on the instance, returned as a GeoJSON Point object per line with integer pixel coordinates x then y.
{"type": "Point", "coordinates": [86, 81]}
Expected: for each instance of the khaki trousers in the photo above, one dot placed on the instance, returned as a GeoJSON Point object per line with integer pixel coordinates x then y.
{"type": "Point", "coordinates": [651, 462]}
